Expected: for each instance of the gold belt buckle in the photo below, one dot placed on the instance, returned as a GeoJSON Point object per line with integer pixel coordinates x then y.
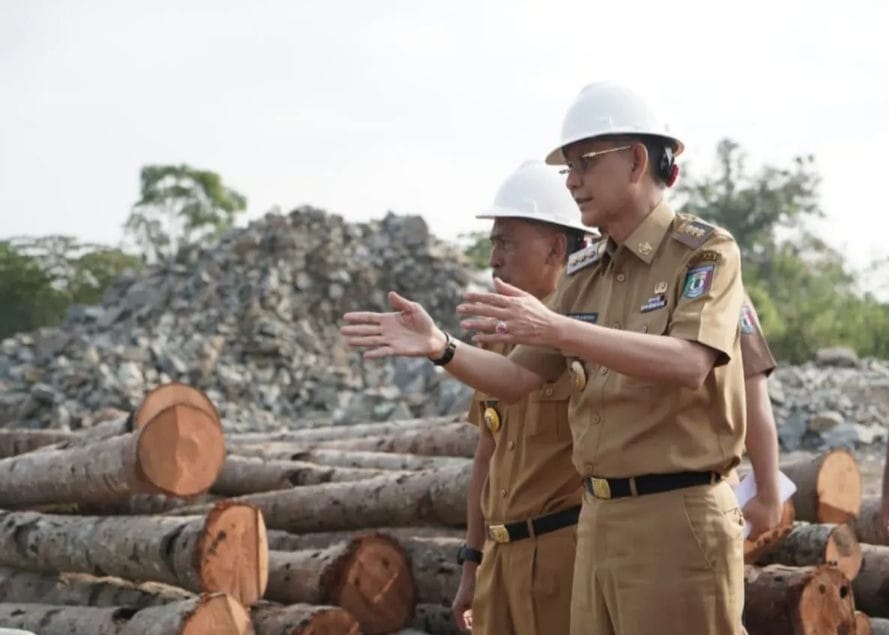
{"type": "Point", "coordinates": [498, 533]}
{"type": "Point", "coordinates": [601, 488]}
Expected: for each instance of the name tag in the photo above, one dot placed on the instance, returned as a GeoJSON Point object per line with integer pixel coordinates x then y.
{"type": "Point", "coordinates": [654, 303]}
{"type": "Point", "coordinates": [590, 318]}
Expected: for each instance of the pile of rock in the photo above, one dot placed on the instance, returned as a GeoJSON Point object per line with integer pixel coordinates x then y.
{"type": "Point", "coordinates": [251, 319]}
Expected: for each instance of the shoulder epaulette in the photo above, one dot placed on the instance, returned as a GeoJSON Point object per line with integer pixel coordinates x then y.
{"type": "Point", "coordinates": [693, 232]}
{"type": "Point", "coordinates": [583, 258]}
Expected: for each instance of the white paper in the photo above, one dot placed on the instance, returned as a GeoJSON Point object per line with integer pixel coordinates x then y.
{"type": "Point", "coordinates": [746, 490]}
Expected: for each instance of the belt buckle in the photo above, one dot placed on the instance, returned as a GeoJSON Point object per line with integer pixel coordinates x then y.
{"type": "Point", "coordinates": [498, 533]}
{"type": "Point", "coordinates": [601, 488]}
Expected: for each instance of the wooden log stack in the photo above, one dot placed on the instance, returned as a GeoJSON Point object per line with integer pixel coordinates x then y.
{"type": "Point", "coordinates": [333, 530]}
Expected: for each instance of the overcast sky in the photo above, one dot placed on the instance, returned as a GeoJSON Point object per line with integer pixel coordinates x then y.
{"type": "Point", "coordinates": [361, 107]}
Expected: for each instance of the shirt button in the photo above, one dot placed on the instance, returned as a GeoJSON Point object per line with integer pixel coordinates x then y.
{"type": "Point", "coordinates": [645, 329]}
{"type": "Point", "coordinates": [503, 493]}
{"type": "Point", "coordinates": [616, 325]}
{"type": "Point", "coordinates": [597, 418]}
{"type": "Point", "coordinates": [588, 468]}
{"type": "Point", "coordinates": [603, 371]}
{"type": "Point", "coordinates": [512, 445]}
{"type": "Point", "coordinates": [621, 277]}
{"type": "Point", "coordinates": [548, 392]}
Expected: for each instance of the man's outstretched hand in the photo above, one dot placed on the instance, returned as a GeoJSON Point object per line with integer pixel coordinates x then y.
{"type": "Point", "coordinates": [407, 332]}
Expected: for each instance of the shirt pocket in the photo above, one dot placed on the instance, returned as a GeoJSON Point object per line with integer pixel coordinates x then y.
{"type": "Point", "coordinates": [548, 408]}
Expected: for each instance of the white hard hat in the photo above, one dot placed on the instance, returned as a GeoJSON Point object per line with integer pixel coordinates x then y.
{"type": "Point", "coordinates": [608, 108]}
{"type": "Point", "coordinates": [537, 192]}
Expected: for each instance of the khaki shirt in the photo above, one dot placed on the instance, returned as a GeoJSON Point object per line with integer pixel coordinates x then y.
{"type": "Point", "coordinates": [675, 275]}
{"type": "Point", "coordinates": [530, 473]}
{"type": "Point", "coordinates": [755, 350]}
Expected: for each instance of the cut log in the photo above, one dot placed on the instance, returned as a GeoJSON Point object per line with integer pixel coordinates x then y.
{"type": "Point", "coordinates": [224, 551]}
{"type": "Point", "coordinates": [243, 475]}
{"type": "Point", "coordinates": [369, 576]}
{"type": "Point", "coordinates": [302, 619]}
{"type": "Point", "coordinates": [879, 626]}
{"type": "Point", "coordinates": [811, 545]}
{"type": "Point", "coordinates": [435, 569]}
{"type": "Point", "coordinates": [868, 526]}
{"type": "Point", "coordinates": [78, 589]}
{"type": "Point", "coordinates": [218, 614]}
{"type": "Point", "coordinates": [798, 601]}
{"type": "Point", "coordinates": [451, 439]}
{"type": "Point", "coordinates": [437, 620]}
{"type": "Point", "coordinates": [137, 505]}
{"type": "Point", "coordinates": [828, 487]}
{"type": "Point", "coordinates": [312, 436]}
{"type": "Point", "coordinates": [338, 458]}
{"type": "Point", "coordinates": [764, 544]}
{"type": "Point", "coordinates": [435, 496]}
{"type": "Point", "coordinates": [862, 624]}
{"type": "Point", "coordinates": [180, 451]}
{"type": "Point", "coordinates": [215, 613]}
{"type": "Point", "coordinates": [286, 541]}
{"type": "Point", "coordinates": [871, 586]}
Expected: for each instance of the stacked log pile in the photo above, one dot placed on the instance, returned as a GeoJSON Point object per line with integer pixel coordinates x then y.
{"type": "Point", "coordinates": [150, 523]}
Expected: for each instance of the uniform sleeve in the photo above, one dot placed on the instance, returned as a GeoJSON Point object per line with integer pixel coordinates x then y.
{"type": "Point", "coordinates": [754, 349]}
{"type": "Point", "coordinates": [546, 362]}
{"type": "Point", "coordinates": [710, 297]}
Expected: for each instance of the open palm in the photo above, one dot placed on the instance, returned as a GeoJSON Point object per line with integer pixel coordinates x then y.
{"type": "Point", "coordinates": [409, 331]}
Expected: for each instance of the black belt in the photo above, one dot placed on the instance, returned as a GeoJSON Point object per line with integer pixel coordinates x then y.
{"type": "Point", "coordinates": [519, 530]}
{"type": "Point", "coordinates": [647, 484]}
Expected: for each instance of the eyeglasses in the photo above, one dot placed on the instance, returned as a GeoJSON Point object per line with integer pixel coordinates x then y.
{"type": "Point", "coordinates": [584, 162]}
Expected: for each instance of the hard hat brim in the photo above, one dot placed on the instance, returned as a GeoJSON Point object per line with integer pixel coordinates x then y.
{"type": "Point", "coordinates": [556, 157]}
{"type": "Point", "coordinates": [492, 214]}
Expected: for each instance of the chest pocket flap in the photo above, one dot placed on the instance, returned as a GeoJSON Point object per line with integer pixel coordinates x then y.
{"type": "Point", "coordinates": [548, 407]}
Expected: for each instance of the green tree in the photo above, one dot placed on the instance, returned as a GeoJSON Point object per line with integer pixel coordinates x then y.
{"type": "Point", "coordinates": [27, 296]}
{"type": "Point", "coordinates": [806, 295]}
{"type": "Point", "coordinates": [178, 205]}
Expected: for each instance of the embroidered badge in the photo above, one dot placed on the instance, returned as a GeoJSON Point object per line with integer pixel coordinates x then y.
{"type": "Point", "coordinates": [698, 281]}
{"type": "Point", "coordinates": [708, 255]}
{"type": "Point", "coordinates": [583, 258]}
{"type": "Point", "coordinates": [660, 287]}
{"type": "Point", "coordinates": [748, 320]}
{"type": "Point", "coordinates": [591, 318]}
{"type": "Point", "coordinates": [654, 303]}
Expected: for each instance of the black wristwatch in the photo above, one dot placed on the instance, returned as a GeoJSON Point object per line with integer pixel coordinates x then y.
{"type": "Point", "coordinates": [468, 553]}
{"type": "Point", "coordinates": [449, 350]}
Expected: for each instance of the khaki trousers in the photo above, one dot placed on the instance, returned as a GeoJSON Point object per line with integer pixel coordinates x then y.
{"type": "Point", "coordinates": [524, 587]}
{"type": "Point", "coordinates": [660, 564]}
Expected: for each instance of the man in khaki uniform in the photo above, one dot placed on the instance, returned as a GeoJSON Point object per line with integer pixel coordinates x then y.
{"type": "Point", "coordinates": [524, 496]}
{"type": "Point", "coordinates": [647, 322]}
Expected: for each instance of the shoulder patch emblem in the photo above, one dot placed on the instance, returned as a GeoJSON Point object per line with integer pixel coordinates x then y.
{"type": "Point", "coordinates": [748, 320]}
{"type": "Point", "coordinates": [698, 281]}
{"type": "Point", "coordinates": [693, 233]}
{"type": "Point", "coordinates": [583, 258]}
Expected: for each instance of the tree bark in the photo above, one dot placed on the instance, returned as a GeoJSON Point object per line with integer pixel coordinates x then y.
{"type": "Point", "coordinates": [224, 551]}
{"type": "Point", "coordinates": [798, 601]}
{"type": "Point", "coordinates": [302, 619]}
{"type": "Point", "coordinates": [369, 576]}
{"type": "Point", "coordinates": [812, 545]}
{"type": "Point", "coordinates": [437, 620]}
{"type": "Point", "coordinates": [19, 441]}
{"type": "Point", "coordinates": [277, 451]}
{"type": "Point", "coordinates": [179, 451]}
{"type": "Point", "coordinates": [217, 613]}
{"type": "Point", "coordinates": [868, 526]}
{"type": "Point", "coordinates": [286, 541]}
{"type": "Point", "coordinates": [312, 436]}
{"type": "Point", "coordinates": [828, 487]}
{"type": "Point", "coordinates": [435, 569]}
{"type": "Point", "coordinates": [242, 475]}
{"type": "Point", "coordinates": [871, 585]}
{"type": "Point", "coordinates": [435, 496]}
{"type": "Point", "coordinates": [78, 589]}
{"type": "Point", "coordinates": [452, 439]}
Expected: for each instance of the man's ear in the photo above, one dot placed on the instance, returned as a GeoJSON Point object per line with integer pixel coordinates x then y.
{"type": "Point", "coordinates": [639, 153]}
{"type": "Point", "coordinates": [558, 253]}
